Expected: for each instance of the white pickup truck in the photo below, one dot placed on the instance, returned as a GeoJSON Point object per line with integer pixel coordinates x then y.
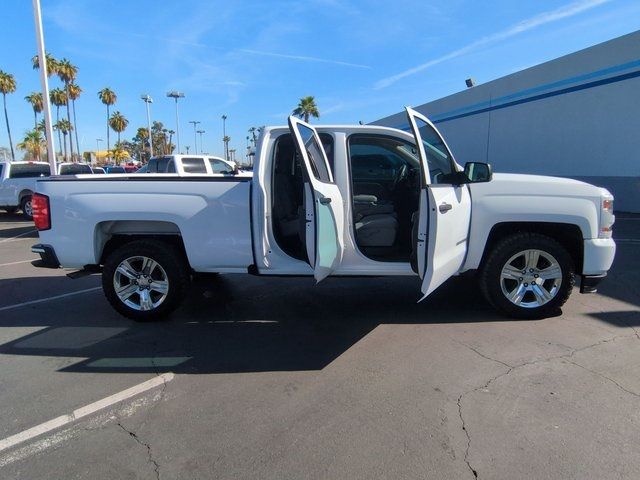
{"type": "Point", "coordinates": [17, 184]}
{"type": "Point", "coordinates": [333, 200]}
{"type": "Point", "coordinates": [185, 165]}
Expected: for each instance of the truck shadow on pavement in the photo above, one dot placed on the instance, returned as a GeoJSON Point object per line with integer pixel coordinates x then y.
{"type": "Point", "coordinates": [238, 323]}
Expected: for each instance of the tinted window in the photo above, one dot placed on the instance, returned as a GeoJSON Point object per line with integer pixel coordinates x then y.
{"type": "Point", "coordinates": [194, 165]}
{"type": "Point", "coordinates": [327, 144]}
{"type": "Point", "coordinates": [152, 166]}
{"type": "Point", "coordinates": [1, 169]}
{"type": "Point", "coordinates": [314, 151]}
{"type": "Point", "coordinates": [171, 168]}
{"type": "Point", "coordinates": [116, 170]}
{"type": "Point", "coordinates": [25, 170]}
{"type": "Point", "coordinates": [439, 159]}
{"type": "Point", "coordinates": [75, 169]}
{"type": "Point", "coordinates": [158, 165]}
{"type": "Point", "coordinates": [218, 166]}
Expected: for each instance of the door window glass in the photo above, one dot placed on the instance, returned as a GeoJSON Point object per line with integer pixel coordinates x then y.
{"type": "Point", "coordinates": [171, 168]}
{"type": "Point", "coordinates": [194, 165]}
{"type": "Point", "coordinates": [439, 159]}
{"type": "Point", "coordinates": [218, 166]}
{"type": "Point", "coordinates": [316, 156]}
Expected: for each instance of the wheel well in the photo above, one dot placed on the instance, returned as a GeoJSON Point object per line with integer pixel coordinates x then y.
{"type": "Point", "coordinates": [117, 241]}
{"type": "Point", "coordinates": [566, 234]}
{"type": "Point", "coordinates": [24, 193]}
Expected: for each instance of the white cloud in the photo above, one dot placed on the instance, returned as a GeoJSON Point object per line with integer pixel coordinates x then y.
{"type": "Point", "coordinates": [523, 26]}
{"type": "Point", "coordinates": [302, 58]}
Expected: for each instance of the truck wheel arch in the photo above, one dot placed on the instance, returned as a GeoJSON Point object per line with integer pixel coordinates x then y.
{"type": "Point", "coordinates": [111, 235]}
{"type": "Point", "coordinates": [566, 234]}
{"type": "Point", "coordinates": [23, 194]}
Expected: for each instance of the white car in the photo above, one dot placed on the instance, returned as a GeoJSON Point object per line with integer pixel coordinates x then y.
{"type": "Point", "coordinates": [69, 168]}
{"type": "Point", "coordinates": [17, 184]}
{"type": "Point", "coordinates": [191, 165]}
{"type": "Point", "coordinates": [333, 200]}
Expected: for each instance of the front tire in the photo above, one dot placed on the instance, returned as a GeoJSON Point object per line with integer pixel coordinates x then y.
{"type": "Point", "coordinates": [145, 280]}
{"type": "Point", "coordinates": [26, 207]}
{"type": "Point", "coordinates": [528, 275]}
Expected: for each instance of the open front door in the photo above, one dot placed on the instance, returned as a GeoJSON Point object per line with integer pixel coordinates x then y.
{"type": "Point", "coordinates": [324, 210]}
{"type": "Point", "coordinates": [445, 208]}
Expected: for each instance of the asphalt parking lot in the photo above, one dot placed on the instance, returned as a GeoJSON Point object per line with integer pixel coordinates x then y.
{"type": "Point", "coordinates": [256, 378]}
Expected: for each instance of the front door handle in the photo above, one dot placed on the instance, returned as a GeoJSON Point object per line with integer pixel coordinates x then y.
{"type": "Point", "coordinates": [325, 200]}
{"type": "Point", "coordinates": [444, 207]}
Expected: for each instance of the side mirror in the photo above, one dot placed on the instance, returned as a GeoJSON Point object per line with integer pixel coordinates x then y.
{"type": "Point", "coordinates": [478, 172]}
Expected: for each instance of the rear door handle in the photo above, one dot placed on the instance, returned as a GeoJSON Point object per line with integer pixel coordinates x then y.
{"type": "Point", "coordinates": [444, 207]}
{"type": "Point", "coordinates": [325, 200]}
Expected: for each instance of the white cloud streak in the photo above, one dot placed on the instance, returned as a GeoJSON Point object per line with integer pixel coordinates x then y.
{"type": "Point", "coordinates": [302, 58]}
{"type": "Point", "coordinates": [520, 27]}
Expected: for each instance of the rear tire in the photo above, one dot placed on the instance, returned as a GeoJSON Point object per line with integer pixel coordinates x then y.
{"type": "Point", "coordinates": [528, 275]}
{"type": "Point", "coordinates": [145, 280]}
{"type": "Point", "coordinates": [26, 207]}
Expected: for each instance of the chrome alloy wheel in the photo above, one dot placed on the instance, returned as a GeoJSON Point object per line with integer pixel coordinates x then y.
{"type": "Point", "coordinates": [531, 278]}
{"type": "Point", "coordinates": [141, 283]}
{"type": "Point", "coordinates": [28, 208]}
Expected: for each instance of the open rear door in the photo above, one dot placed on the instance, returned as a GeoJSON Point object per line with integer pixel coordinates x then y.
{"type": "Point", "coordinates": [324, 209]}
{"type": "Point", "coordinates": [445, 208]}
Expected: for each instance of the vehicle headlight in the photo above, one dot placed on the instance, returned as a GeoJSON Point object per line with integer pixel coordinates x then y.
{"type": "Point", "coordinates": [607, 218]}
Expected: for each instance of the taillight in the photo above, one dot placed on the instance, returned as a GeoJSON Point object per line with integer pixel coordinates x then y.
{"type": "Point", "coordinates": [41, 211]}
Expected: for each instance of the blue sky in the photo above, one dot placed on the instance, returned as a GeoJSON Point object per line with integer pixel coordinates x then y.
{"type": "Point", "coordinates": [253, 60]}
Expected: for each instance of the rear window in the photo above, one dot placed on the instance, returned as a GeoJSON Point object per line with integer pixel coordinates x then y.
{"type": "Point", "coordinates": [75, 169]}
{"type": "Point", "coordinates": [218, 166]}
{"type": "Point", "coordinates": [116, 170]}
{"type": "Point", "coordinates": [26, 170]}
{"type": "Point", "coordinates": [194, 165]}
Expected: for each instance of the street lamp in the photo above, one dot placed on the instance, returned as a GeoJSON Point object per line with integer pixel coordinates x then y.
{"type": "Point", "coordinates": [187, 147]}
{"type": "Point", "coordinates": [147, 99]}
{"type": "Point", "coordinates": [195, 136]}
{"type": "Point", "coordinates": [44, 81]}
{"type": "Point", "coordinates": [176, 95]}
{"type": "Point", "coordinates": [224, 137]}
{"type": "Point", "coordinates": [201, 145]}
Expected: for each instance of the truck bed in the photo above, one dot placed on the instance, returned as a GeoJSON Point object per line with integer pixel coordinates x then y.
{"type": "Point", "coordinates": [210, 214]}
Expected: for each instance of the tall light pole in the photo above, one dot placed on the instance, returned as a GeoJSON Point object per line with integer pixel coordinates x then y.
{"type": "Point", "coordinates": [44, 82]}
{"type": "Point", "coordinates": [176, 95]}
{"type": "Point", "coordinates": [147, 99]}
{"type": "Point", "coordinates": [224, 136]}
{"type": "Point", "coordinates": [195, 136]}
{"type": "Point", "coordinates": [201, 145]}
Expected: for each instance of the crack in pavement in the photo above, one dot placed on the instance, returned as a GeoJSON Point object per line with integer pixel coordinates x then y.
{"type": "Point", "coordinates": [156, 466]}
{"type": "Point", "coordinates": [630, 392]}
{"type": "Point", "coordinates": [511, 368]}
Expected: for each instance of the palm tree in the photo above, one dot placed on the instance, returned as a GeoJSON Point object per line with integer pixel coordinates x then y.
{"type": "Point", "coordinates": [67, 73]}
{"type": "Point", "coordinates": [7, 85]}
{"type": "Point", "coordinates": [74, 93]}
{"type": "Point", "coordinates": [107, 97]}
{"type": "Point", "coordinates": [169, 146]}
{"type": "Point", "coordinates": [35, 99]}
{"type": "Point", "coordinates": [52, 64]}
{"type": "Point", "coordinates": [34, 144]}
{"type": "Point", "coordinates": [119, 124]}
{"type": "Point", "coordinates": [65, 127]}
{"type": "Point", "coordinates": [59, 98]}
{"type": "Point", "coordinates": [307, 108]}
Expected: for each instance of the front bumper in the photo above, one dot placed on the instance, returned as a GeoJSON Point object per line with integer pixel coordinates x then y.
{"type": "Point", "coordinates": [598, 256]}
{"type": "Point", "coordinates": [48, 258]}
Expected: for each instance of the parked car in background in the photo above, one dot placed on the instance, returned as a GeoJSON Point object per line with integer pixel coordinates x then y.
{"type": "Point", "coordinates": [98, 170]}
{"type": "Point", "coordinates": [114, 169]}
{"type": "Point", "coordinates": [131, 167]}
{"type": "Point", "coordinates": [191, 165]}
{"type": "Point", "coordinates": [17, 184]}
{"type": "Point", "coordinates": [142, 169]}
{"type": "Point", "coordinates": [74, 168]}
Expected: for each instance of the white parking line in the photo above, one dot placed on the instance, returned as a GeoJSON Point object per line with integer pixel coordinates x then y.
{"type": "Point", "coordinates": [82, 412]}
{"type": "Point", "coordinates": [41, 300]}
{"type": "Point", "coordinates": [17, 236]}
{"type": "Point", "coordinates": [16, 263]}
